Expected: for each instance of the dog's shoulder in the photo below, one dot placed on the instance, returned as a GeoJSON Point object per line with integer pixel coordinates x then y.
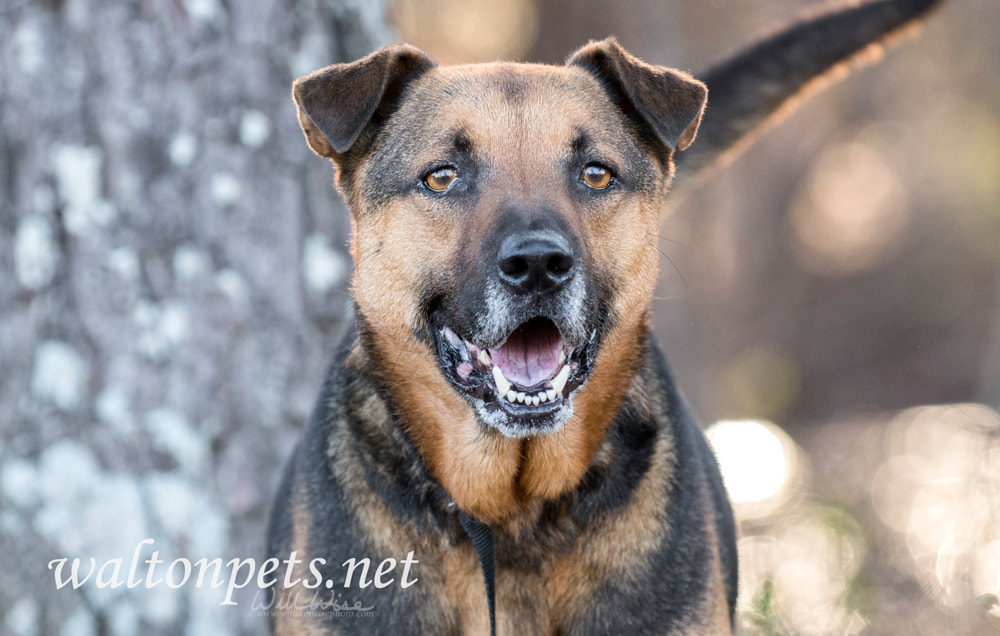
{"type": "Point", "coordinates": [672, 522]}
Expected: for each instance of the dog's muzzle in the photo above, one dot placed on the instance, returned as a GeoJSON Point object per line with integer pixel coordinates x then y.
{"type": "Point", "coordinates": [531, 348]}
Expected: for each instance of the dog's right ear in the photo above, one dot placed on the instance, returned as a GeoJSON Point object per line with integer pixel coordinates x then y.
{"type": "Point", "coordinates": [336, 103]}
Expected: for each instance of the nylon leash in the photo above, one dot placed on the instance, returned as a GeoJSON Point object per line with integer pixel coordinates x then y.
{"type": "Point", "coordinates": [482, 540]}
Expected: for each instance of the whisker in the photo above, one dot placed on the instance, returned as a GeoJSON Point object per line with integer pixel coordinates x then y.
{"type": "Point", "coordinates": [674, 265]}
{"type": "Point", "coordinates": [669, 240]}
{"type": "Point", "coordinates": [401, 350]}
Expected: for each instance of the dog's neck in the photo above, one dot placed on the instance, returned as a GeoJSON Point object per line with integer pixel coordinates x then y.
{"type": "Point", "coordinates": [452, 458]}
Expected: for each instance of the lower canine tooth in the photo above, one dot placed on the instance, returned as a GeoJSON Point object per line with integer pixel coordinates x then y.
{"type": "Point", "coordinates": [484, 358]}
{"type": "Point", "coordinates": [452, 337]}
{"type": "Point", "coordinates": [511, 396]}
{"type": "Point", "coordinates": [560, 380]}
{"type": "Point", "coordinates": [503, 386]}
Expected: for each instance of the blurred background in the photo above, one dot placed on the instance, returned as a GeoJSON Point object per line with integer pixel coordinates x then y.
{"type": "Point", "coordinates": [174, 280]}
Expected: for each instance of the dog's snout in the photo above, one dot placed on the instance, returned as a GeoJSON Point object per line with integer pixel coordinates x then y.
{"type": "Point", "coordinates": [535, 261]}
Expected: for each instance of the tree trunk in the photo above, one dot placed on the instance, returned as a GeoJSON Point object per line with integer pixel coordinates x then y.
{"type": "Point", "coordinates": [174, 277]}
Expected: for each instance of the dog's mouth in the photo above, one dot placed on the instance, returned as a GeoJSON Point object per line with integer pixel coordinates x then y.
{"type": "Point", "coordinates": [531, 375]}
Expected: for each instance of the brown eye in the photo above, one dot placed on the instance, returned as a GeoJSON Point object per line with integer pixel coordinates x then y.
{"type": "Point", "coordinates": [596, 176]}
{"type": "Point", "coordinates": [440, 179]}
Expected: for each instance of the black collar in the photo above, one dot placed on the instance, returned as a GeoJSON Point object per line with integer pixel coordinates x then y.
{"type": "Point", "coordinates": [482, 540]}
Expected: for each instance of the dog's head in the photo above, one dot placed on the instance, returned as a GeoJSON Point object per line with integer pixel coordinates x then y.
{"type": "Point", "coordinates": [504, 222]}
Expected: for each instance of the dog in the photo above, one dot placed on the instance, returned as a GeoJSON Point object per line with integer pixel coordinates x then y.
{"type": "Point", "coordinates": [499, 413]}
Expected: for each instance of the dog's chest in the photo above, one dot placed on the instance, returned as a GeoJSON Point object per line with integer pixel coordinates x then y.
{"type": "Point", "coordinates": [529, 601]}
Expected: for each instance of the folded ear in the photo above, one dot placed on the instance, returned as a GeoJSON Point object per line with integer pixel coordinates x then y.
{"type": "Point", "coordinates": [336, 103]}
{"type": "Point", "coordinates": [671, 102]}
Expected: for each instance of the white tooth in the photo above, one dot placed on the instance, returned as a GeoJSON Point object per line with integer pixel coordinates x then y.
{"type": "Point", "coordinates": [452, 337]}
{"type": "Point", "coordinates": [551, 394]}
{"type": "Point", "coordinates": [562, 357]}
{"type": "Point", "coordinates": [535, 401]}
{"type": "Point", "coordinates": [503, 386]}
{"type": "Point", "coordinates": [484, 358]}
{"type": "Point", "coordinates": [520, 396]}
{"type": "Point", "coordinates": [560, 380]}
{"type": "Point", "coordinates": [543, 396]}
{"type": "Point", "coordinates": [511, 396]}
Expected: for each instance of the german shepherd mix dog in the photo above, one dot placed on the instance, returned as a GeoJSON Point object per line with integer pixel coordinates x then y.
{"type": "Point", "coordinates": [500, 382]}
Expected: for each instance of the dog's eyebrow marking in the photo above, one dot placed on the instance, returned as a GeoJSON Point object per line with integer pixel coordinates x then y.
{"type": "Point", "coordinates": [462, 142]}
{"type": "Point", "coordinates": [580, 143]}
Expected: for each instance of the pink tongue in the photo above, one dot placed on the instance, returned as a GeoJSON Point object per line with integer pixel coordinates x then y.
{"type": "Point", "coordinates": [531, 353]}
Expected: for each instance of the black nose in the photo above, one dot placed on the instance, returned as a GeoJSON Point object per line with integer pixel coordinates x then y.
{"type": "Point", "coordinates": [535, 261]}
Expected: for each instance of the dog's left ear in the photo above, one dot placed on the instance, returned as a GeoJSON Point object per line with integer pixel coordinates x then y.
{"type": "Point", "coordinates": [671, 102]}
